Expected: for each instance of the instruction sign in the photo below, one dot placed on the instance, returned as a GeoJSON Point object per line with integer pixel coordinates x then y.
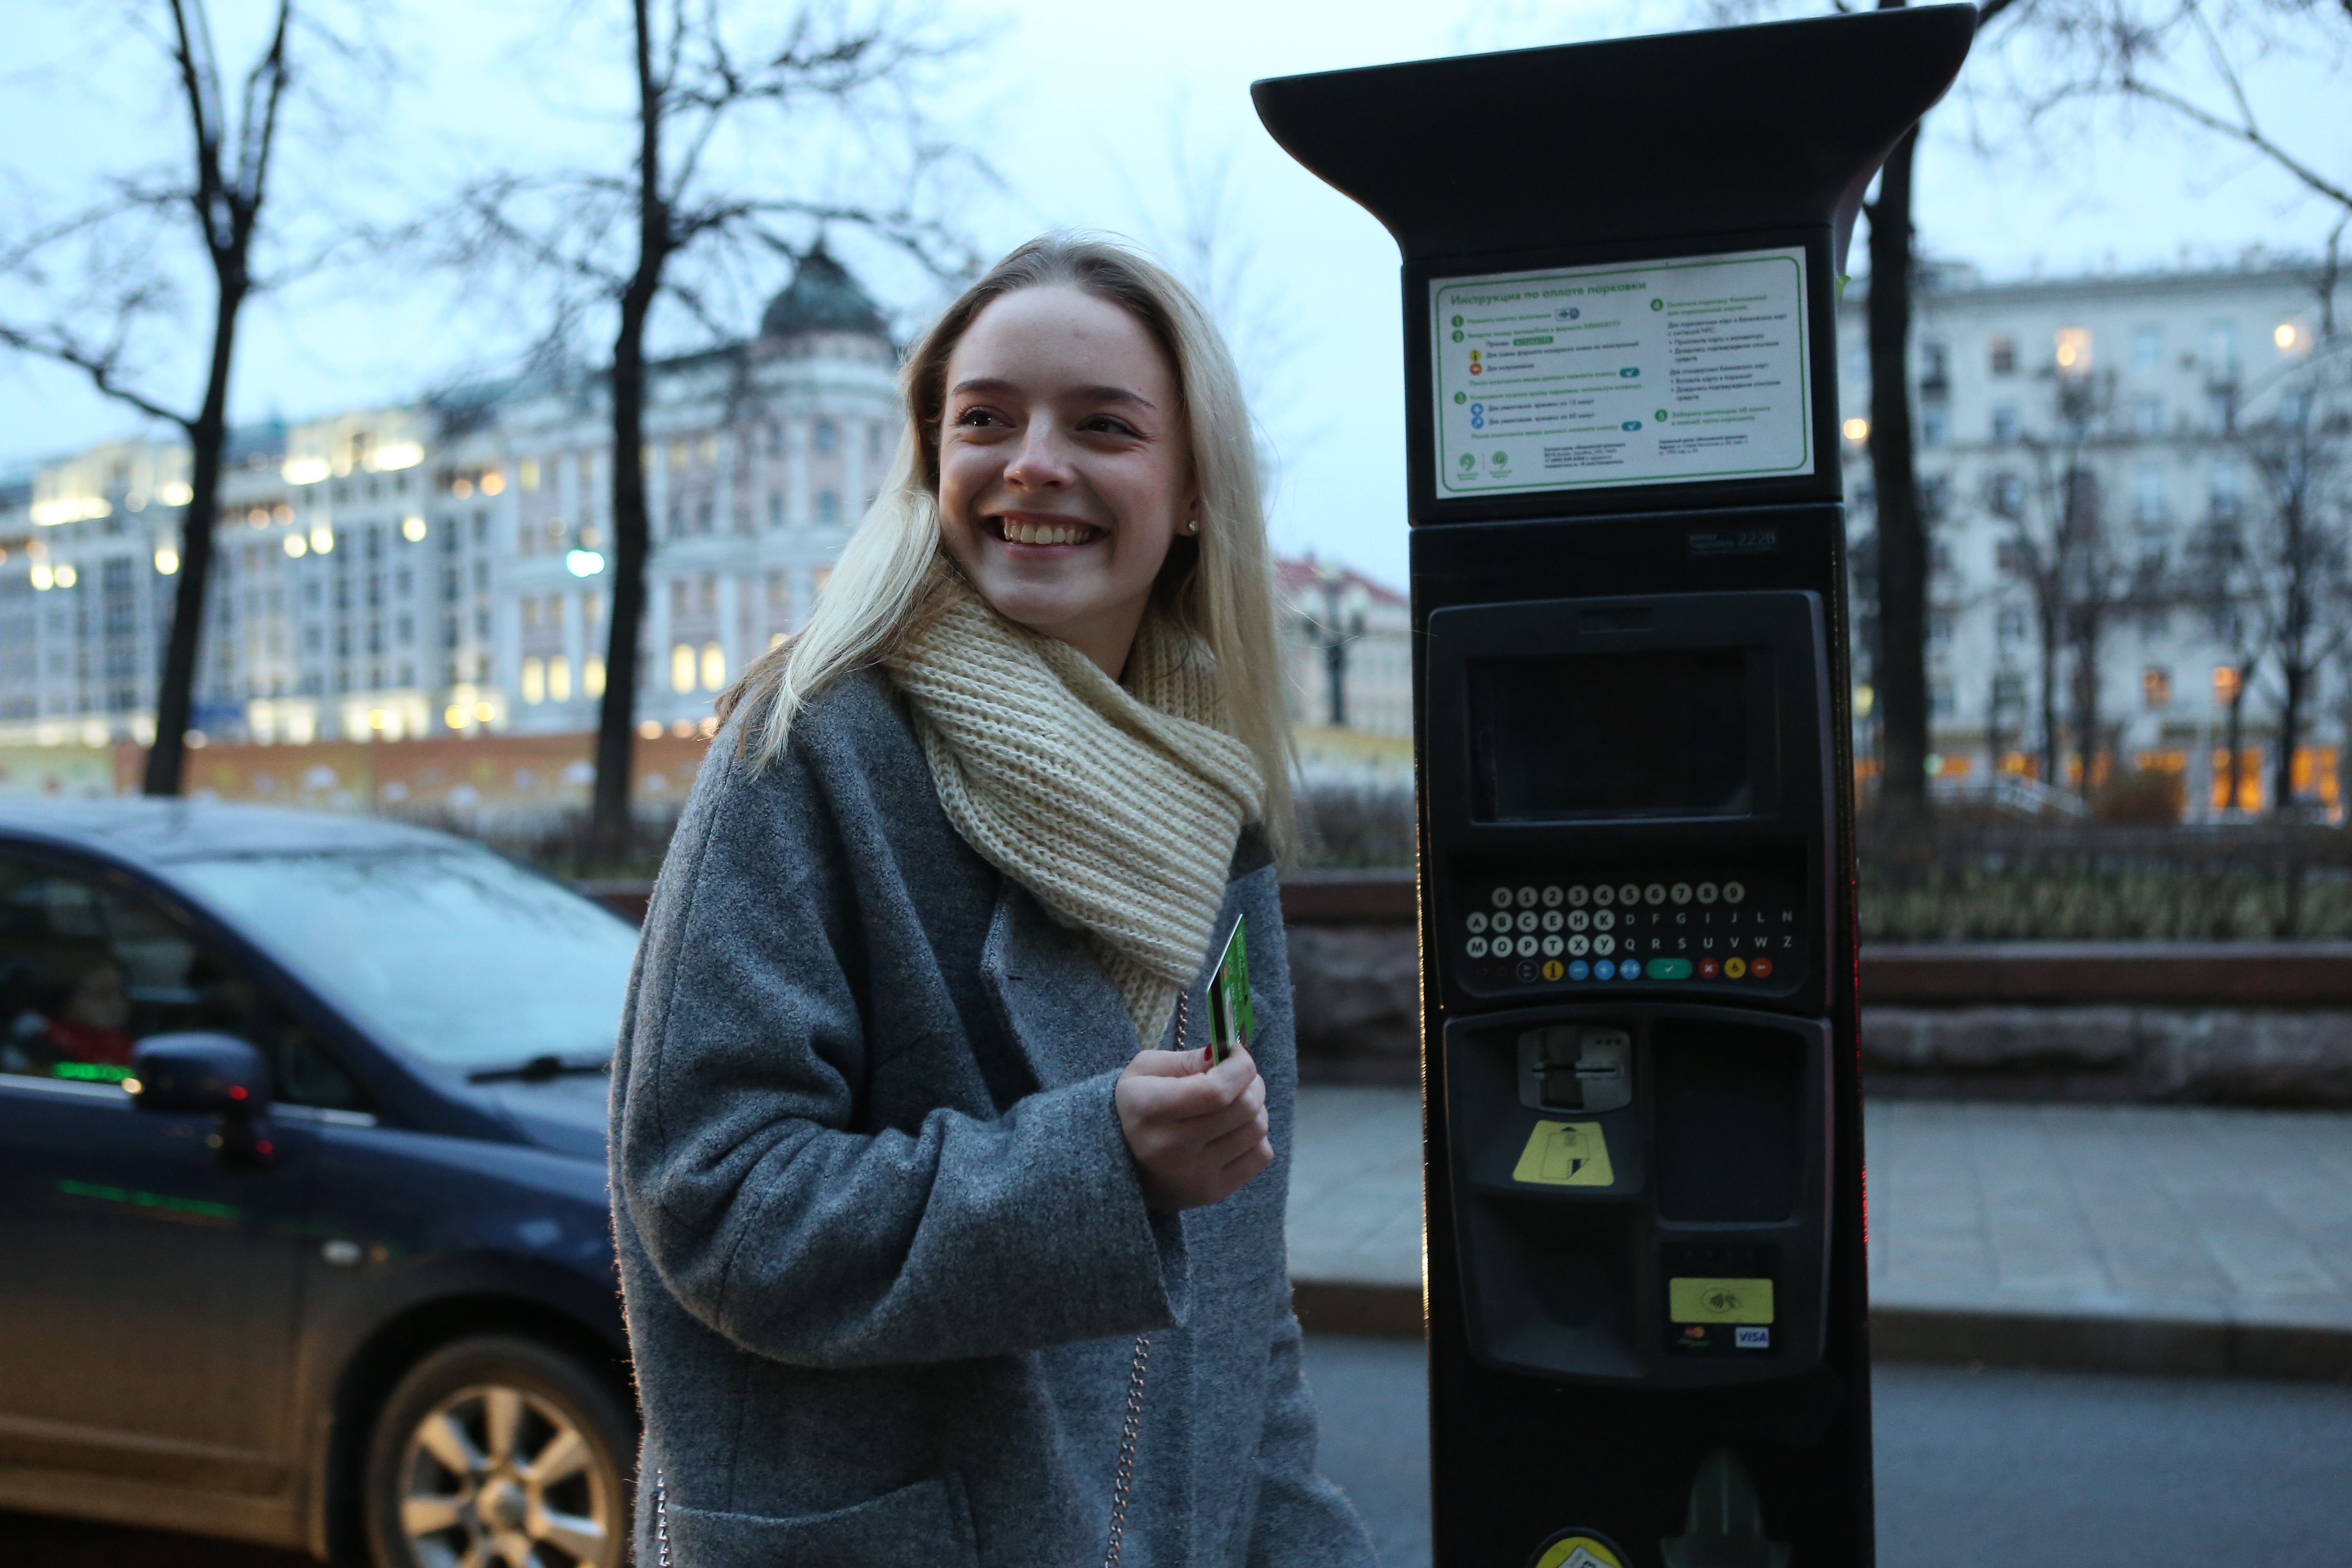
{"type": "Point", "coordinates": [1630, 374]}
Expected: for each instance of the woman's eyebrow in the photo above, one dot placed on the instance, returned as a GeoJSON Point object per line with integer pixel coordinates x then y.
{"type": "Point", "coordinates": [992, 385]}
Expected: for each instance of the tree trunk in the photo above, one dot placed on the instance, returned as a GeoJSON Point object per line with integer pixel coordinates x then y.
{"type": "Point", "coordinates": [2089, 649]}
{"type": "Point", "coordinates": [616, 716]}
{"type": "Point", "coordinates": [2237, 734]}
{"type": "Point", "coordinates": [175, 686]}
{"type": "Point", "coordinates": [1901, 660]}
{"type": "Point", "coordinates": [2050, 649]}
{"type": "Point", "coordinates": [2294, 634]}
{"type": "Point", "coordinates": [2294, 679]}
{"type": "Point", "coordinates": [609, 827]}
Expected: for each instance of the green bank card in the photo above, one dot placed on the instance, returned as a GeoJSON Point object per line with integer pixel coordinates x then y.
{"type": "Point", "coordinates": [1229, 997]}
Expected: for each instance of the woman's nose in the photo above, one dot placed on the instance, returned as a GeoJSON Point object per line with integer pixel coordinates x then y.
{"type": "Point", "coordinates": [1040, 463]}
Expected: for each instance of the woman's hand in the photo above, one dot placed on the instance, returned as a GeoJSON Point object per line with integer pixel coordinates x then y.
{"type": "Point", "coordinates": [1198, 1133]}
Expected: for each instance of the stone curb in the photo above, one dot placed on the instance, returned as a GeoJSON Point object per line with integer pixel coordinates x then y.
{"type": "Point", "coordinates": [2087, 1342]}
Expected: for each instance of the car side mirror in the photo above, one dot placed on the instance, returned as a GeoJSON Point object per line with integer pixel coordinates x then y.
{"type": "Point", "coordinates": [208, 1075]}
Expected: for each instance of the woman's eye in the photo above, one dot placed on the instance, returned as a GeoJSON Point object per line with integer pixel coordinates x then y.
{"type": "Point", "coordinates": [977, 416]}
{"type": "Point", "coordinates": [1109, 425]}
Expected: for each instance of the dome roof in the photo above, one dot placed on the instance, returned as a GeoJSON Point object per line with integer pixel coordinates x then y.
{"type": "Point", "coordinates": [822, 297]}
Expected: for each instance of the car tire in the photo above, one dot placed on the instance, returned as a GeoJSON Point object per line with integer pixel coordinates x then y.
{"type": "Point", "coordinates": [498, 1449]}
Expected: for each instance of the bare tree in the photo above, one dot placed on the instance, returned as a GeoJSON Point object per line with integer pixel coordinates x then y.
{"type": "Point", "coordinates": [1899, 656]}
{"type": "Point", "coordinates": [2191, 59]}
{"type": "Point", "coordinates": [1900, 665]}
{"type": "Point", "coordinates": [2294, 575]}
{"type": "Point", "coordinates": [2059, 552]}
{"type": "Point", "coordinates": [617, 242]}
{"type": "Point", "coordinates": [125, 292]}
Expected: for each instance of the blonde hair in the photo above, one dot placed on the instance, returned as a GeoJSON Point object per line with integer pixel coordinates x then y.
{"type": "Point", "coordinates": [1218, 584]}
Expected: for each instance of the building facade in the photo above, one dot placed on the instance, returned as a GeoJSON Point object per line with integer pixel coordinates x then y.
{"type": "Point", "coordinates": [2100, 463]}
{"type": "Point", "coordinates": [1347, 649]}
{"type": "Point", "coordinates": [441, 568]}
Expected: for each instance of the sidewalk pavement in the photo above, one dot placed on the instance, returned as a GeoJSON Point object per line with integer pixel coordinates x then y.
{"type": "Point", "coordinates": [2133, 1237]}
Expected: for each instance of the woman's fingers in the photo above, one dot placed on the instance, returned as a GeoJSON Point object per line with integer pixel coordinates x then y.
{"type": "Point", "coordinates": [1199, 1133]}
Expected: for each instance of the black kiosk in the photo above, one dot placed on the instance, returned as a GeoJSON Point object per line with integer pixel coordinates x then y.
{"type": "Point", "coordinates": [1642, 1103]}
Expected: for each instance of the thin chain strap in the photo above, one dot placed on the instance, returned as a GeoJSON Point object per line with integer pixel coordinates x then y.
{"type": "Point", "coordinates": [1123, 1480]}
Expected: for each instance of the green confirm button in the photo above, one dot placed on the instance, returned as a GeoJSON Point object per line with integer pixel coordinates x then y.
{"type": "Point", "coordinates": [1667, 969]}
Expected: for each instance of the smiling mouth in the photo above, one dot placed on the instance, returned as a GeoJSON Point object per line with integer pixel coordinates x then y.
{"type": "Point", "coordinates": [1042, 532]}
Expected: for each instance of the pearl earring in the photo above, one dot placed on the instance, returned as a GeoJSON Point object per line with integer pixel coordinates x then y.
{"type": "Point", "coordinates": [1192, 525]}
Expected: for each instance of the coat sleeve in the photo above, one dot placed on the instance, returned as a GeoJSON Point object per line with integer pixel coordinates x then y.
{"type": "Point", "coordinates": [1303, 1520]}
{"type": "Point", "coordinates": [765, 1215]}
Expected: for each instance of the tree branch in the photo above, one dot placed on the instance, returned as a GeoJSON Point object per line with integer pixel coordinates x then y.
{"type": "Point", "coordinates": [102, 367]}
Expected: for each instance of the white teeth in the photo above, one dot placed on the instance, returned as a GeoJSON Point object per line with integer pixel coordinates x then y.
{"type": "Point", "coordinates": [1044, 532]}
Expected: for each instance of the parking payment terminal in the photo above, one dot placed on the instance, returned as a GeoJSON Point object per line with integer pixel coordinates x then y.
{"type": "Point", "coordinates": [1644, 1270]}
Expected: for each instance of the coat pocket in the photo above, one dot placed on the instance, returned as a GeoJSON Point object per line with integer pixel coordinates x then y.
{"type": "Point", "coordinates": [927, 1522]}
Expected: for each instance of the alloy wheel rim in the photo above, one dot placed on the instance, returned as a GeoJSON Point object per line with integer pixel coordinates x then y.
{"type": "Point", "coordinates": [496, 1477]}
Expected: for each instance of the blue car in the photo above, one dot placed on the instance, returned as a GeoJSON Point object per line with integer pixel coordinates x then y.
{"type": "Point", "coordinates": [304, 1236]}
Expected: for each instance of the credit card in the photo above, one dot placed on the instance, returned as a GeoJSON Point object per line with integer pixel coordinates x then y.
{"type": "Point", "coordinates": [1229, 997]}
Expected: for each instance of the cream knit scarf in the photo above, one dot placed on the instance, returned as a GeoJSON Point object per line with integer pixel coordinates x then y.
{"type": "Point", "coordinates": [1115, 806]}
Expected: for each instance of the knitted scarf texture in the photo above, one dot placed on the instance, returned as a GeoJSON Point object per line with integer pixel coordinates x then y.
{"type": "Point", "coordinates": [1115, 806]}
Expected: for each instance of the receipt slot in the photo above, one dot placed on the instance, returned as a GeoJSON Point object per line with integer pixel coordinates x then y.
{"type": "Point", "coordinates": [1645, 1284]}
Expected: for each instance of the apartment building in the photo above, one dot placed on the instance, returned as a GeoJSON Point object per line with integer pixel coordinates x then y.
{"type": "Point", "coordinates": [2089, 451]}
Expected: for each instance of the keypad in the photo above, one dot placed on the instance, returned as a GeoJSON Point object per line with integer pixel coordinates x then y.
{"type": "Point", "coordinates": [1714, 931]}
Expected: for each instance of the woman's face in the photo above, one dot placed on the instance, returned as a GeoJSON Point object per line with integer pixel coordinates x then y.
{"type": "Point", "coordinates": [1064, 466]}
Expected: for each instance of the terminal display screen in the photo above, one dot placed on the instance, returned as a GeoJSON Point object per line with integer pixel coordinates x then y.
{"type": "Point", "coordinates": [1584, 736]}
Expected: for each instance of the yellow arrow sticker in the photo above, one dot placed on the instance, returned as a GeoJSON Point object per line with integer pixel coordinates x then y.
{"type": "Point", "coordinates": [1565, 1155]}
{"type": "Point", "coordinates": [1578, 1552]}
{"type": "Point", "coordinates": [1719, 1301]}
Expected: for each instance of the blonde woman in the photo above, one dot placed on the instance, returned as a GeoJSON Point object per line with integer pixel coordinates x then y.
{"type": "Point", "coordinates": [934, 1251]}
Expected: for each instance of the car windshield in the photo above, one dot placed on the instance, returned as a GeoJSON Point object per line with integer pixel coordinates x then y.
{"type": "Point", "coordinates": [456, 957]}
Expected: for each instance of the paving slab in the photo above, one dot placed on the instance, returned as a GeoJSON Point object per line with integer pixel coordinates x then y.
{"type": "Point", "coordinates": [2128, 1237]}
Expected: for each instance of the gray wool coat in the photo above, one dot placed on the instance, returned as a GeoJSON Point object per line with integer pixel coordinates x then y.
{"type": "Point", "coordinates": [882, 1246]}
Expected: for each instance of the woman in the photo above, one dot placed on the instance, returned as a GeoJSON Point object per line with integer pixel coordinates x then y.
{"type": "Point", "coordinates": [933, 1251]}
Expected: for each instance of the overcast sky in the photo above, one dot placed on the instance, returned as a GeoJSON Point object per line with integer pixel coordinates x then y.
{"type": "Point", "coordinates": [1087, 114]}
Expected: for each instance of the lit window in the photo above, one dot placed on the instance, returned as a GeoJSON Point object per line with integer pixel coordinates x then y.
{"type": "Point", "coordinates": [559, 678]}
{"type": "Point", "coordinates": [2073, 349]}
{"type": "Point", "coordinates": [528, 472]}
{"type": "Point", "coordinates": [2225, 684]}
{"type": "Point", "coordinates": [534, 681]}
{"type": "Point", "coordinates": [682, 667]}
{"type": "Point", "coordinates": [592, 678]}
{"type": "Point", "coordinates": [714, 666]}
{"type": "Point", "coordinates": [493, 482]}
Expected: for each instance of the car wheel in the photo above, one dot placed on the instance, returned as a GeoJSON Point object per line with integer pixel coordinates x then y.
{"type": "Point", "coordinates": [498, 1451]}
